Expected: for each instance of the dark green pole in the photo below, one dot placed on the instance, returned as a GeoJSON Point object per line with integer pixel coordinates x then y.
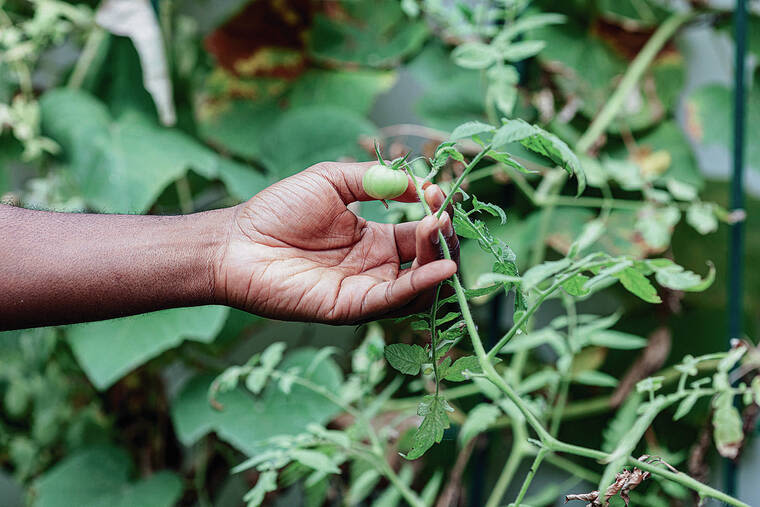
{"type": "Point", "coordinates": [736, 248]}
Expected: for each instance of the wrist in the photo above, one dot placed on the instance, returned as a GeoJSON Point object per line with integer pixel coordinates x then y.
{"type": "Point", "coordinates": [208, 237]}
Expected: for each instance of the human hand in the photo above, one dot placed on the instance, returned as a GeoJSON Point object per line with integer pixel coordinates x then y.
{"type": "Point", "coordinates": [296, 252]}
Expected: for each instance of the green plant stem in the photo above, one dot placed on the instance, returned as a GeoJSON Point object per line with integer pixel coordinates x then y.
{"type": "Point", "coordinates": [458, 183]}
{"type": "Point", "coordinates": [516, 455]}
{"type": "Point", "coordinates": [87, 57]}
{"type": "Point", "coordinates": [530, 311]}
{"type": "Point", "coordinates": [531, 473]}
{"type": "Point", "coordinates": [493, 376]}
{"type": "Point", "coordinates": [433, 342]}
{"type": "Point", "coordinates": [185, 195]}
{"type": "Point", "coordinates": [632, 76]}
{"type": "Point", "coordinates": [410, 496]}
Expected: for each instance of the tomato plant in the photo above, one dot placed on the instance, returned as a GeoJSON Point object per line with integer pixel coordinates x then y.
{"type": "Point", "coordinates": [578, 354]}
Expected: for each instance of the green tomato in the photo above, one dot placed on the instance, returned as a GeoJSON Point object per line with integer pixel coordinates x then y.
{"type": "Point", "coordinates": [382, 182]}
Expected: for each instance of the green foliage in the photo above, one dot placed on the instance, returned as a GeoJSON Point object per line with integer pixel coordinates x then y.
{"type": "Point", "coordinates": [109, 349]}
{"type": "Point", "coordinates": [248, 423]}
{"type": "Point", "coordinates": [99, 476]}
{"type": "Point", "coordinates": [513, 87]}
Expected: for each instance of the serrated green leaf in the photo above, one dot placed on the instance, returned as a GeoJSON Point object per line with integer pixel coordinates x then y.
{"type": "Point", "coordinates": [541, 272]}
{"type": "Point", "coordinates": [455, 373]}
{"type": "Point", "coordinates": [638, 284]}
{"type": "Point", "coordinates": [575, 285]}
{"type": "Point", "coordinates": [701, 216]}
{"type": "Point", "coordinates": [257, 379]}
{"type": "Point", "coordinates": [272, 355]}
{"type": "Point", "coordinates": [474, 55]}
{"type": "Point", "coordinates": [249, 423]}
{"type": "Point", "coordinates": [673, 276]}
{"type": "Point", "coordinates": [616, 340]}
{"type": "Point", "coordinates": [685, 406]}
{"type": "Point", "coordinates": [595, 378]}
{"type": "Point", "coordinates": [728, 431]}
{"type": "Point", "coordinates": [478, 420]}
{"type": "Point", "coordinates": [621, 422]}
{"type": "Point", "coordinates": [266, 483]}
{"type": "Point", "coordinates": [408, 359]}
{"type": "Point", "coordinates": [470, 129]}
{"type": "Point", "coordinates": [363, 486]}
{"type": "Point", "coordinates": [521, 50]}
{"type": "Point", "coordinates": [431, 429]}
{"type": "Point", "coordinates": [315, 459]}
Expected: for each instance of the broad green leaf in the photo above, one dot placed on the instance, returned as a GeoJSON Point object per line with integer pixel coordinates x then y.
{"type": "Point", "coordinates": [99, 477]}
{"type": "Point", "coordinates": [455, 372]}
{"type": "Point", "coordinates": [353, 89]}
{"type": "Point", "coordinates": [595, 378]}
{"type": "Point", "coordinates": [708, 123]}
{"type": "Point", "coordinates": [470, 129]}
{"type": "Point", "coordinates": [478, 420]}
{"type": "Point", "coordinates": [430, 432]}
{"type": "Point", "coordinates": [475, 55]}
{"type": "Point", "coordinates": [237, 126]}
{"type": "Point", "coordinates": [369, 33]}
{"type": "Point", "coordinates": [121, 164]}
{"type": "Point", "coordinates": [109, 349]}
{"type": "Point", "coordinates": [638, 284]}
{"type": "Point", "coordinates": [452, 95]}
{"type": "Point", "coordinates": [314, 459]}
{"type": "Point", "coordinates": [701, 216]}
{"type": "Point", "coordinates": [616, 340]}
{"type": "Point", "coordinates": [246, 422]}
{"type": "Point", "coordinates": [312, 134]}
{"type": "Point", "coordinates": [407, 359]}
{"type": "Point", "coordinates": [685, 406]}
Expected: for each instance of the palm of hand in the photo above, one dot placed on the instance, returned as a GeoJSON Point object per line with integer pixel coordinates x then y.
{"type": "Point", "coordinates": [296, 252]}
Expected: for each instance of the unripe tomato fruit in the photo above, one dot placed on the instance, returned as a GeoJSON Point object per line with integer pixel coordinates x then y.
{"type": "Point", "coordinates": [382, 182]}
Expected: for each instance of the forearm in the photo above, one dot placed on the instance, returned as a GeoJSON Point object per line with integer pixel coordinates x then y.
{"type": "Point", "coordinates": [58, 268]}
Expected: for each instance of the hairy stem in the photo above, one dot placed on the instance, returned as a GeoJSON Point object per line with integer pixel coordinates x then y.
{"type": "Point", "coordinates": [458, 183]}
{"type": "Point", "coordinates": [632, 76]}
{"type": "Point", "coordinates": [516, 455]}
{"type": "Point", "coordinates": [531, 473]}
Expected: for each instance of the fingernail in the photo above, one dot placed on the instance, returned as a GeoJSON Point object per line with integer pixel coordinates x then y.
{"type": "Point", "coordinates": [436, 238]}
{"type": "Point", "coordinates": [445, 225]}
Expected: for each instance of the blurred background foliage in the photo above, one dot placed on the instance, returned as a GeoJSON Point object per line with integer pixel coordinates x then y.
{"type": "Point", "coordinates": [176, 106]}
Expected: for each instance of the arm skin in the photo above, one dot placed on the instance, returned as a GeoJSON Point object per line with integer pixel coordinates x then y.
{"type": "Point", "coordinates": [292, 252]}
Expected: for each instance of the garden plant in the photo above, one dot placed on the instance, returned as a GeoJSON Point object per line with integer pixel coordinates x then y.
{"type": "Point", "coordinates": [578, 355]}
